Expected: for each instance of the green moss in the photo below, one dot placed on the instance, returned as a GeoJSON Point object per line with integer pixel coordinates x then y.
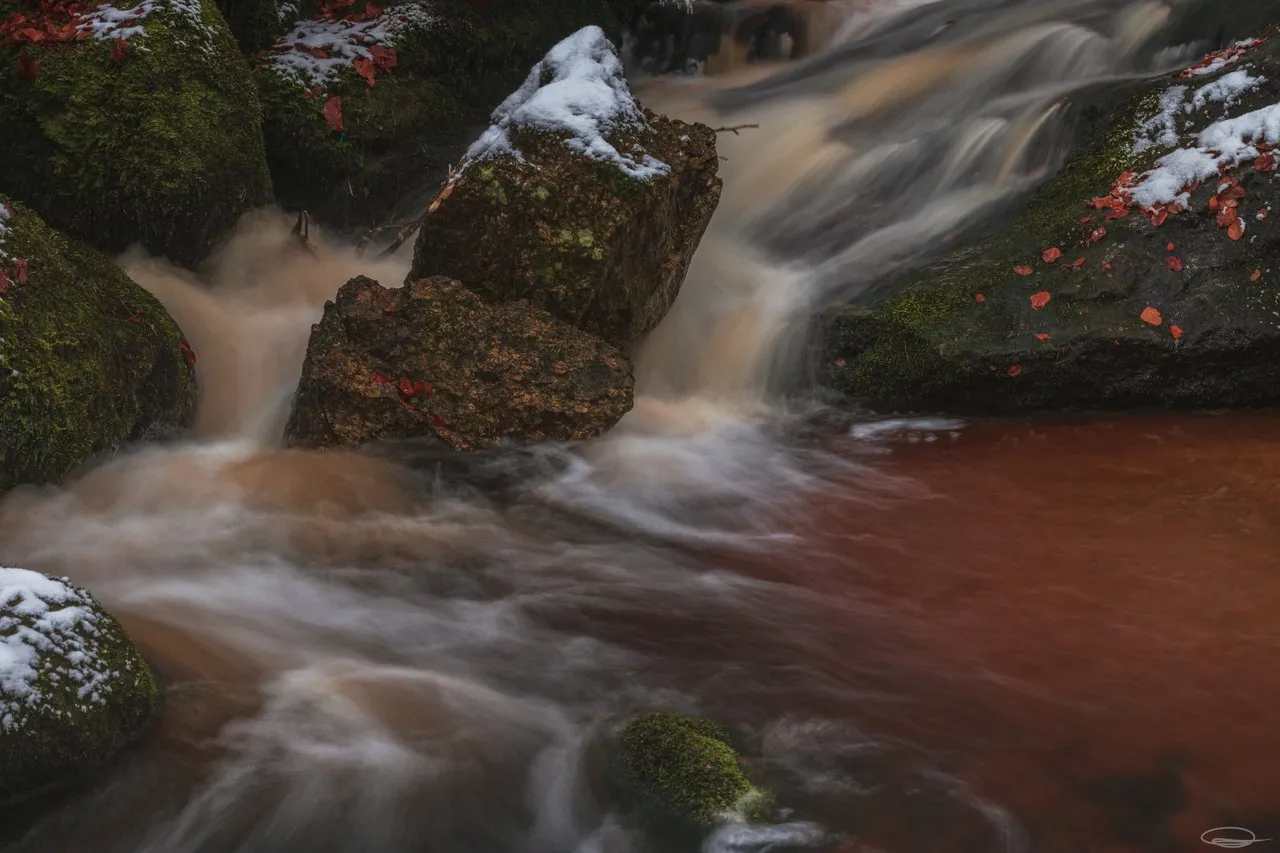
{"type": "Point", "coordinates": [88, 359]}
{"type": "Point", "coordinates": [686, 767]}
{"type": "Point", "coordinates": [164, 148]}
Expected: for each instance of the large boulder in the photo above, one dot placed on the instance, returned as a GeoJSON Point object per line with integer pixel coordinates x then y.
{"type": "Point", "coordinates": [434, 360]}
{"type": "Point", "coordinates": [73, 688]}
{"type": "Point", "coordinates": [88, 359]}
{"type": "Point", "coordinates": [367, 106]}
{"type": "Point", "coordinates": [130, 126]}
{"type": "Point", "coordinates": [1142, 274]}
{"type": "Point", "coordinates": [583, 203]}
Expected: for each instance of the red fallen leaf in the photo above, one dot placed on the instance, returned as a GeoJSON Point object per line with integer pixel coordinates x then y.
{"type": "Point", "coordinates": [406, 387]}
{"type": "Point", "coordinates": [1106, 267]}
{"type": "Point", "coordinates": [1051, 255]}
{"type": "Point", "coordinates": [979, 297]}
{"type": "Point", "coordinates": [1014, 370]}
{"type": "Point", "coordinates": [1226, 216]}
{"type": "Point", "coordinates": [1233, 192]}
{"type": "Point", "coordinates": [187, 352]}
{"type": "Point", "coordinates": [1042, 336]}
{"type": "Point", "coordinates": [1235, 230]}
{"type": "Point", "coordinates": [1095, 235]}
{"type": "Point", "coordinates": [1086, 219]}
{"type": "Point", "coordinates": [1174, 263]}
{"type": "Point", "coordinates": [380, 379]}
{"type": "Point", "coordinates": [1039, 300]}
{"type": "Point", "coordinates": [1118, 213]}
{"type": "Point", "coordinates": [1077, 263]}
{"type": "Point", "coordinates": [316, 92]}
{"type": "Point", "coordinates": [1256, 274]}
{"type": "Point", "coordinates": [1213, 203]}
{"type": "Point", "coordinates": [1023, 270]}
{"type": "Point", "coordinates": [1152, 316]}
{"type": "Point", "coordinates": [372, 10]}
{"type": "Point", "coordinates": [438, 421]}
{"type": "Point", "coordinates": [383, 57]}
{"type": "Point", "coordinates": [29, 34]}
{"type": "Point", "coordinates": [1158, 217]}
{"type": "Point", "coordinates": [1265, 162]}
{"type": "Point", "coordinates": [1262, 214]}
{"type": "Point", "coordinates": [1125, 177]}
{"type": "Point", "coordinates": [364, 67]}
{"type": "Point", "coordinates": [21, 270]}
{"type": "Point", "coordinates": [118, 48]}
{"type": "Point", "coordinates": [1169, 247]}
{"type": "Point", "coordinates": [318, 52]}
{"type": "Point", "coordinates": [1176, 331]}
{"type": "Point", "coordinates": [424, 388]}
{"type": "Point", "coordinates": [4, 284]}
{"type": "Point", "coordinates": [332, 112]}
{"type": "Point", "coordinates": [26, 67]}
{"type": "Point", "coordinates": [840, 362]}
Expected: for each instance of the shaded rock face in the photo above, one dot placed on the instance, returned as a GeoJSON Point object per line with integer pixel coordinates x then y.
{"type": "Point", "coordinates": [599, 225]}
{"type": "Point", "coordinates": [156, 139]}
{"type": "Point", "coordinates": [88, 359]}
{"type": "Point", "coordinates": [73, 688]}
{"type": "Point", "coordinates": [1142, 274]}
{"type": "Point", "coordinates": [433, 359]}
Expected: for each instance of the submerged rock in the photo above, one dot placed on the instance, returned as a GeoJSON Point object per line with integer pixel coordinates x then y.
{"type": "Point", "coordinates": [433, 359]}
{"type": "Point", "coordinates": [73, 688]}
{"type": "Point", "coordinates": [88, 359]}
{"type": "Point", "coordinates": [368, 108]}
{"type": "Point", "coordinates": [685, 768]}
{"type": "Point", "coordinates": [1142, 274]}
{"type": "Point", "coordinates": [576, 199]}
{"type": "Point", "coordinates": [138, 126]}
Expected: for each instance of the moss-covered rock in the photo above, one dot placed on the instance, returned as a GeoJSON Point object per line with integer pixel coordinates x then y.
{"type": "Point", "coordinates": [454, 61]}
{"type": "Point", "coordinates": [73, 688]}
{"type": "Point", "coordinates": [1090, 298]}
{"type": "Point", "coordinates": [153, 139]}
{"type": "Point", "coordinates": [257, 23]}
{"type": "Point", "coordinates": [686, 768]}
{"type": "Point", "coordinates": [595, 216]}
{"type": "Point", "coordinates": [434, 360]}
{"type": "Point", "coordinates": [88, 359]}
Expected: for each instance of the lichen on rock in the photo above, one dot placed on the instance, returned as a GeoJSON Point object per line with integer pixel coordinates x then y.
{"type": "Point", "coordinates": [131, 125]}
{"type": "Point", "coordinates": [434, 360]}
{"type": "Point", "coordinates": [585, 204]}
{"type": "Point", "coordinates": [73, 688]}
{"type": "Point", "coordinates": [88, 359]}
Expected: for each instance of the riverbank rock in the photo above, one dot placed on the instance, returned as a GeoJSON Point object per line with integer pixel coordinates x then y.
{"type": "Point", "coordinates": [579, 201]}
{"type": "Point", "coordinates": [88, 359]}
{"type": "Point", "coordinates": [685, 768]}
{"type": "Point", "coordinates": [433, 359]}
{"type": "Point", "coordinates": [73, 688]}
{"type": "Point", "coordinates": [367, 106]}
{"type": "Point", "coordinates": [1143, 274]}
{"type": "Point", "coordinates": [130, 126]}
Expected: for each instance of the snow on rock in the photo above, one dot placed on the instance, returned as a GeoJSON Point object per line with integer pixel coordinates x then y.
{"type": "Point", "coordinates": [578, 89]}
{"type": "Point", "coordinates": [318, 49]}
{"type": "Point", "coordinates": [1220, 59]}
{"type": "Point", "coordinates": [1226, 90]}
{"type": "Point", "coordinates": [111, 22]}
{"type": "Point", "coordinates": [5, 213]}
{"type": "Point", "coordinates": [1162, 131]}
{"type": "Point", "coordinates": [46, 621]}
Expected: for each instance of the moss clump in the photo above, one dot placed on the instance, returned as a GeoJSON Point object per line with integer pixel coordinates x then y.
{"type": "Point", "coordinates": [91, 693]}
{"type": "Point", "coordinates": [685, 767]}
{"type": "Point", "coordinates": [88, 359]}
{"type": "Point", "coordinates": [163, 147]}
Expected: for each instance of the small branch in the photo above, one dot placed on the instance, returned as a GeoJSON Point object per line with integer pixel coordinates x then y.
{"type": "Point", "coordinates": [734, 130]}
{"type": "Point", "coordinates": [301, 230]}
{"type": "Point", "coordinates": [405, 230]}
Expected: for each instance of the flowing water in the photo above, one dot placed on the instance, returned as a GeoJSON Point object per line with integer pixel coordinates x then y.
{"type": "Point", "coordinates": [937, 636]}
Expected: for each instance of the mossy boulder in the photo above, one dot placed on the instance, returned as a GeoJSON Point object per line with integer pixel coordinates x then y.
{"type": "Point", "coordinates": [583, 204]}
{"type": "Point", "coordinates": [433, 360]}
{"type": "Point", "coordinates": [453, 62]}
{"type": "Point", "coordinates": [151, 133]}
{"type": "Point", "coordinates": [88, 359]}
{"type": "Point", "coordinates": [1094, 296]}
{"type": "Point", "coordinates": [73, 688]}
{"type": "Point", "coordinates": [686, 770]}
{"type": "Point", "coordinates": [257, 23]}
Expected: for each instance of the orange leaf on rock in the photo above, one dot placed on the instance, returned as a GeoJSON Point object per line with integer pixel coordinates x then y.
{"type": "Point", "coordinates": [1174, 263]}
{"type": "Point", "coordinates": [383, 57]}
{"type": "Point", "coordinates": [118, 49]}
{"type": "Point", "coordinates": [332, 111]}
{"type": "Point", "coordinates": [1051, 255]}
{"type": "Point", "coordinates": [1106, 267]}
{"type": "Point", "coordinates": [1176, 331]}
{"type": "Point", "coordinates": [1042, 336]}
{"type": "Point", "coordinates": [1265, 162]}
{"type": "Point", "coordinates": [1236, 229]}
{"type": "Point", "coordinates": [1014, 370]}
{"type": "Point", "coordinates": [1256, 274]}
{"type": "Point", "coordinates": [1095, 235]}
{"type": "Point", "coordinates": [979, 297]}
{"type": "Point", "coordinates": [1023, 270]}
{"type": "Point", "coordinates": [1169, 247]}
{"type": "Point", "coordinates": [187, 352]}
{"type": "Point", "coordinates": [1079, 262]}
{"type": "Point", "coordinates": [1152, 316]}
{"type": "Point", "coordinates": [1039, 300]}
{"type": "Point", "coordinates": [364, 67]}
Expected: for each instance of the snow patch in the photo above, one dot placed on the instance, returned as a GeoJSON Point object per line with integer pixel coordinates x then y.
{"type": "Point", "coordinates": [1226, 90]}
{"type": "Point", "coordinates": [112, 22]}
{"type": "Point", "coordinates": [1161, 130]}
{"type": "Point", "coordinates": [5, 213]}
{"type": "Point", "coordinates": [42, 617]}
{"type": "Point", "coordinates": [578, 88]}
{"type": "Point", "coordinates": [340, 42]}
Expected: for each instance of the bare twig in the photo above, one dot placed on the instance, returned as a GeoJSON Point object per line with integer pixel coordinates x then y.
{"type": "Point", "coordinates": [302, 230]}
{"type": "Point", "coordinates": [734, 130]}
{"type": "Point", "coordinates": [405, 230]}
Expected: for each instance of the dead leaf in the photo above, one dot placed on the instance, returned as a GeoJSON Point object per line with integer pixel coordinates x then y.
{"type": "Point", "coordinates": [332, 112]}
{"type": "Point", "coordinates": [4, 284]}
{"type": "Point", "coordinates": [1039, 300]}
{"type": "Point", "coordinates": [1095, 235]}
{"type": "Point", "coordinates": [1256, 274]}
{"type": "Point", "coordinates": [1169, 247]}
{"type": "Point", "coordinates": [1042, 336]}
{"type": "Point", "coordinates": [1078, 263]}
{"type": "Point", "coordinates": [383, 57]}
{"type": "Point", "coordinates": [1176, 331]}
{"type": "Point", "coordinates": [1236, 229]}
{"type": "Point", "coordinates": [26, 67]}
{"type": "Point", "coordinates": [1106, 267]}
{"type": "Point", "coordinates": [1014, 370]}
{"type": "Point", "coordinates": [1174, 263]}
{"type": "Point", "coordinates": [187, 352]}
{"type": "Point", "coordinates": [1152, 316]}
{"type": "Point", "coordinates": [1023, 270]}
{"type": "Point", "coordinates": [1051, 255]}
{"type": "Point", "coordinates": [364, 67]}
{"type": "Point", "coordinates": [979, 297]}
{"type": "Point", "coordinates": [1265, 162]}
{"type": "Point", "coordinates": [21, 270]}
{"type": "Point", "coordinates": [118, 50]}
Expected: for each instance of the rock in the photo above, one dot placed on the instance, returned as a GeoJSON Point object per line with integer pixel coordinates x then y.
{"type": "Point", "coordinates": [433, 359]}
{"type": "Point", "coordinates": [88, 359]}
{"type": "Point", "coordinates": [584, 204]}
{"type": "Point", "coordinates": [146, 132]}
{"type": "Point", "coordinates": [258, 23]}
{"type": "Point", "coordinates": [437, 70]}
{"type": "Point", "coordinates": [1149, 304]}
{"type": "Point", "coordinates": [73, 688]}
{"type": "Point", "coordinates": [685, 768]}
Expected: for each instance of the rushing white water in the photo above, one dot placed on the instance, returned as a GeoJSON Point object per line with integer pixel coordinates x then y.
{"type": "Point", "coordinates": [411, 653]}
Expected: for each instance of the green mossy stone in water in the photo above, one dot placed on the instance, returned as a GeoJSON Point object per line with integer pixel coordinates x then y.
{"type": "Point", "coordinates": [73, 687]}
{"type": "Point", "coordinates": [399, 136]}
{"type": "Point", "coordinates": [685, 767]}
{"type": "Point", "coordinates": [163, 147]}
{"type": "Point", "coordinates": [88, 359]}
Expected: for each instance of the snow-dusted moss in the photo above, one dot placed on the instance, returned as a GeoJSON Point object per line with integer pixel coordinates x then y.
{"type": "Point", "coordinates": [73, 688]}
{"type": "Point", "coordinates": [155, 139]}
